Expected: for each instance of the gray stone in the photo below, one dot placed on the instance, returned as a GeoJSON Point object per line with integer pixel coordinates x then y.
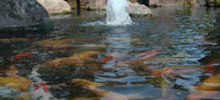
{"type": "Point", "coordinates": [21, 13]}
{"type": "Point", "coordinates": [96, 4]}
{"type": "Point", "coordinates": [55, 6]}
{"type": "Point", "coordinates": [136, 10]}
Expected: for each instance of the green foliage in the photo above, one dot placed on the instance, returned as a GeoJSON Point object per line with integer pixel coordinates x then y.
{"type": "Point", "coordinates": [213, 2]}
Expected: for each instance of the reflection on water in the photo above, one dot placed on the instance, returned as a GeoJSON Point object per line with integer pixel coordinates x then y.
{"type": "Point", "coordinates": [172, 55]}
{"type": "Point", "coordinates": [119, 40]}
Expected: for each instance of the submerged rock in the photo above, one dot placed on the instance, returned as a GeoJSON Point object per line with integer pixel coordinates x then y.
{"type": "Point", "coordinates": [22, 15]}
{"type": "Point", "coordinates": [55, 6]}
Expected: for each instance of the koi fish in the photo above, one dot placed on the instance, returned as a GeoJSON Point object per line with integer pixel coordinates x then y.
{"type": "Point", "coordinates": [40, 89]}
{"type": "Point", "coordinates": [148, 54]}
{"type": "Point", "coordinates": [26, 54]}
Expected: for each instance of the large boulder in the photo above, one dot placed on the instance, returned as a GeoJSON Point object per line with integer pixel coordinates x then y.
{"type": "Point", "coordinates": [55, 6]}
{"type": "Point", "coordinates": [16, 14]}
{"type": "Point", "coordinates": [136, 10]}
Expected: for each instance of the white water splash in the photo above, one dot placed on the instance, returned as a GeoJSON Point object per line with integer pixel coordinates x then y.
{"type": "Point", "coordinates": [116, 13]}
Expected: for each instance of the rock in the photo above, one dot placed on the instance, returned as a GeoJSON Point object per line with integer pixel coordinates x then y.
{"type": "Point", "coordinates": [55, 6]}
{"type": "Point", "coordinates": [189, 2]}
{"type": "Point", "coordinates": [136, 9]}
{"type": "Point", "coordinates": [212, 3]}
{"type": "Point", "coordinates": [165, 2]}
{"type": "Point", "coordinates": [175, 2]}
{"type": "Point", "coordinates": [20, 14]}
{"type": "Point", "coordinates": [96, 4]}
{"type": "Point", "coordinates": [83, 3]}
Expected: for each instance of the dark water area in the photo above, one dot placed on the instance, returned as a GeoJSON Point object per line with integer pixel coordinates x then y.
{"type": "Point", "coordinates": [173, 55]}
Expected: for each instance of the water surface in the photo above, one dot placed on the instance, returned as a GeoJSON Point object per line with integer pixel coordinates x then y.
{"type": "Point", "coordinates": [131, 59]}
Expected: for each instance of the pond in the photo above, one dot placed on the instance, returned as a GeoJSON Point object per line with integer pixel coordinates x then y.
{"type": "Point", "coordinates": [172, 55]}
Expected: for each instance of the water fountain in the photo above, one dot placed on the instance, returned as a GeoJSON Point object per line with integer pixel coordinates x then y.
{"type": "Point", "coordinates": [116, 13]}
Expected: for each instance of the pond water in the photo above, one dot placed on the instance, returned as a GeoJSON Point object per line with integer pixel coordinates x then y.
{"type": "Point", "coordinates": [172, 55]}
